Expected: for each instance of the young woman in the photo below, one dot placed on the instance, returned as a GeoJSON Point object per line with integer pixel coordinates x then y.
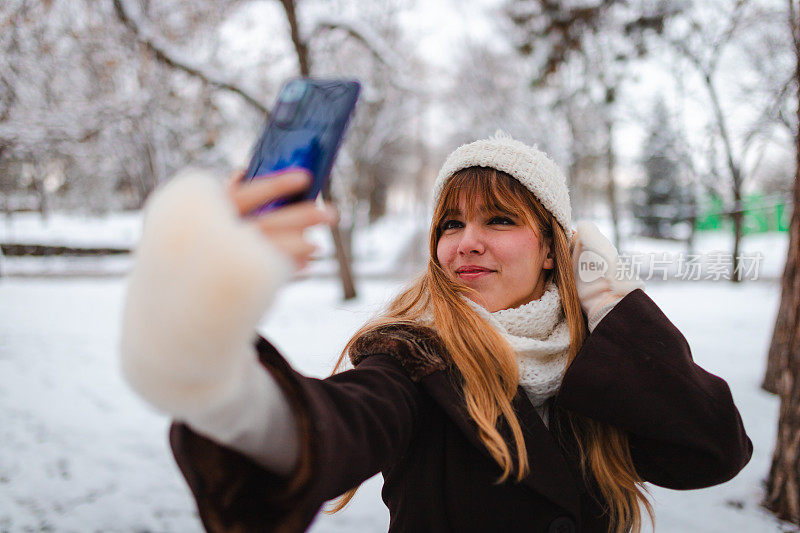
{"type": "Point", "coordinates": [521, 383]}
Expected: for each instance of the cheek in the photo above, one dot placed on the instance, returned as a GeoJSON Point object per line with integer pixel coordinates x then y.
{"type": "Point", "coordinates": [444, 251]}
{"type": "Point", "coordinates": [521, 251]}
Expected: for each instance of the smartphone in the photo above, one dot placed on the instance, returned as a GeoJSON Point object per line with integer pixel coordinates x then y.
{"type": "Point", "coordinates": [305, 130]}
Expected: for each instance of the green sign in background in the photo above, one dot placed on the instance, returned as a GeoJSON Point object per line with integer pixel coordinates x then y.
{"type": "Point", "coordinates": [761, 215]}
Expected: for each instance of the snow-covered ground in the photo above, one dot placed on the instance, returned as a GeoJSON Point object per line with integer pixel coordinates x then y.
{"type": "Point", "coordinates": [374, 254]}
{"type": "Point", "coordinates": [64, 229]}
{"type": "Point", "coordinates": [81, 453]}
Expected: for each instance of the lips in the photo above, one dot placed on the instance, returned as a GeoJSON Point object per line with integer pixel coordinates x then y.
{"type": "Point", "coordinates": [473, 272]}
{"type": "Point", "coordinates": [471, 269]}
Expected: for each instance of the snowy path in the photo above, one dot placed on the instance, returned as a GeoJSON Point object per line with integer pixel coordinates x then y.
{"type": "Point", "coordinates": [81, 453]}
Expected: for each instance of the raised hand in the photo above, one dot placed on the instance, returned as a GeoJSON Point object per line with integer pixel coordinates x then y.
{"type": "Point", "coordinates": [599, 277]}
{"type": "Point", "coordinates": [203, 276]}
{"type": "Point", "coordinates": [283, 226]}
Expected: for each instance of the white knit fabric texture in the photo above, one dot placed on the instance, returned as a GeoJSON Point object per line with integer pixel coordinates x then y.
{"type": "Point", "coordinates": [539, 334]}
{"type": "Point", "coordinates": [529, 165]}
{"type": "Point", "coordinates": [601, 313]}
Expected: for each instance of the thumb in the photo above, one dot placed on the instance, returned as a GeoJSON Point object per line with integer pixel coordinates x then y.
{"type": "Point", "coordinates": [593, 256]}
{"type": "Point", "coordinates": [592, 239]}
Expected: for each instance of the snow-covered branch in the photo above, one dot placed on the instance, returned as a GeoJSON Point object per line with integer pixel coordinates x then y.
{"type": "Point", "coordinates": [28, 127]}
{"type": "Point", "coordinates": [373, 42]}
{"type": "Point", "coordinates": [174, 58]}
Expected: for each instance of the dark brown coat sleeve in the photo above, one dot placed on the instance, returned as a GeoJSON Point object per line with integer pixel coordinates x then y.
{"type": "Point", "coordinates": [352, 424]}
{"type": "Point", "coordinates": [636, 372]}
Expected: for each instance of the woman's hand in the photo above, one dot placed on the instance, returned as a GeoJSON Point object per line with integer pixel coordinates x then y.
{"type": "Point", "coordinates": [284, 226]}
{"type": "Point", "coordinates": [600, 278]}
{"type": "Point", "coordinates": [202, 278]}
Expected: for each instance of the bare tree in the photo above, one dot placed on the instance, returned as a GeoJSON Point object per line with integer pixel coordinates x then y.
{"type": "Point", "coordinates": [376, 142]}
{"type": "Point", "coordinates": [162, 50]}
{"type": "Point", "coordinates": [779, 113]}
{"type": "Point", "coordinates": [100, 120]}
{"type": "Point", "coordinates": [599, 41]}
{"type": "Point", "coordinates": [103, 101]}
{"type": "Point", "coordinates": [703, 38]}
{"type": "Point", "coordinates": [491, 90]}
{"type": "Point", "coordinates": [783, 484]}
{"type": "Point", "coordinates": [166, 53]}
{"type": "Point", "coordinates": [378, 154]}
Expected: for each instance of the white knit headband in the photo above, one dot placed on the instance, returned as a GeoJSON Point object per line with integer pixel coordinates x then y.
{"type": "Point", "coordinates": [527, 164]}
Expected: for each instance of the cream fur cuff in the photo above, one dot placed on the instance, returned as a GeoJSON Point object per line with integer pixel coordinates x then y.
{"type": "Point", "coordinates": [201, 280]}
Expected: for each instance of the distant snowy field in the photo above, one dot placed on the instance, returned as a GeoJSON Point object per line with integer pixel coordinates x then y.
{"type": "Point", "coordinates": [381, 249]}
{"type": "Point", "coordinates": [81, 453]}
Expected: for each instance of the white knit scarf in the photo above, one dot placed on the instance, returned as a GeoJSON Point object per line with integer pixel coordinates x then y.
{"type": "Point", "coordinates": [539, 333]}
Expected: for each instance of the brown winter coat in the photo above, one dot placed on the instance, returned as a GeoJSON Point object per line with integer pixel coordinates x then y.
{"type": "Point", "coordinates": [400, 413]}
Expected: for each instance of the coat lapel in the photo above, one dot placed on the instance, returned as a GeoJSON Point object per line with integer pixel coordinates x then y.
{"type": "Point", "coordinates": [550, 474]}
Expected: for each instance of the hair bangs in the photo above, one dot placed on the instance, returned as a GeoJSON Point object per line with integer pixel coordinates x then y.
{"type": "Point", "coordinates": [488, 190]}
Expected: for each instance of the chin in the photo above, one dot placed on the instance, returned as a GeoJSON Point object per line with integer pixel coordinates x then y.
{"type": "Point", "coordinates": [491, 305]}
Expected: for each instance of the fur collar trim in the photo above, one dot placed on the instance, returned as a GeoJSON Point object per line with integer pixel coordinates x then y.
{"type": "Point", "coordinates": [419, 349]}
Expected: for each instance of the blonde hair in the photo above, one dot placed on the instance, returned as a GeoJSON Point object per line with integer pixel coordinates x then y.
{"type": "Point", "coordinates": [486, 362]}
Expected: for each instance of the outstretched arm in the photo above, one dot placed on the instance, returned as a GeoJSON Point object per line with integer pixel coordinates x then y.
{"type": "Point", "coordinates": [351, 426]}
{"type": "Point", "coordinates": [202, 278]}
{"type": "Point", "coordinates": [261, 446]}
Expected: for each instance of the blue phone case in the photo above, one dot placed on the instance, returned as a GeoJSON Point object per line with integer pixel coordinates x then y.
{"type": "Point", "coordinates": [305, 130]}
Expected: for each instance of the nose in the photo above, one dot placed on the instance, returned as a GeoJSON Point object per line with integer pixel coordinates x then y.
{"type": "Point", "coordinates": [471, 241]}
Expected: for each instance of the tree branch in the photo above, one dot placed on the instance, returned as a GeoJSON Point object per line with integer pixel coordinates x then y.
{"type": "Point", "coordinates": [373, 43]}
{"type": "Point", "coordinates": [727, 35]}
{"type": "Point", "coordinates": [162, 53]}
{"type": "Point", "coordinates": [300, 45]}
{"type": "Point", "coordinates": [771, 113]}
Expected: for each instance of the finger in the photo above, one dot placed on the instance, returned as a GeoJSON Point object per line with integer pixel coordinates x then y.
{"type": "Point", "coordinates": [297, 217]}
{"type": "Point", "coordinates": [248, 196]}
{"type": "Point", "coordinates": [294, 245]}
{"type": "Point", "coordinates": [576, 245]}
{"type": "Point", "coordinates": [576, 253]}
{"type": "Point", "coordinates": [234, 178]}
{"type": "Point", "coordinates": [233, 181]}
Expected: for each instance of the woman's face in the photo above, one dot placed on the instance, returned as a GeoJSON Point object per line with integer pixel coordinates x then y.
{"type": "Point", "coordinates": [496, 254]}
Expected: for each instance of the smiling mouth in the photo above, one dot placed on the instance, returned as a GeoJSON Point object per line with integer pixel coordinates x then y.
{"type": "Point", "coordinates": [472, 273]}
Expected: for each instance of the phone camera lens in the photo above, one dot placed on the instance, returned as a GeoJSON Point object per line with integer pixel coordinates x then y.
{"type": "Point", "coordinates": [293, 91]}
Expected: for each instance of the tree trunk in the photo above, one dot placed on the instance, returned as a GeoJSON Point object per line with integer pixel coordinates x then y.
{"type": "Point", "coordinates": [735, 169]}
{"type": "Point", "coordinates": [7, 217]}
{"type": "Point", "coordinates": [43, 205]}
{"type": "Point", "coordinates": [780, 346]}
{"type": "Point", "coordinates": [377, 198]}
{"type": "Point", "coordinates": [348, 287]}
{"type": "Point", "coordinates": [738, 220]}
{"type": "Point", "coordinates": [611, 162]}
{"type": "Point", "coordinates": [692, 231]}
{"type": "Point", "coordinates": [781, 334]}
{"type": "Point", "coordinates": [737, 216]}
{"type": "Point", "coordinates": [300, 46]}
{"type": "Point", "coordinates": [304, 62]}
{"type": "Point", "coordinates": [783, 484]}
